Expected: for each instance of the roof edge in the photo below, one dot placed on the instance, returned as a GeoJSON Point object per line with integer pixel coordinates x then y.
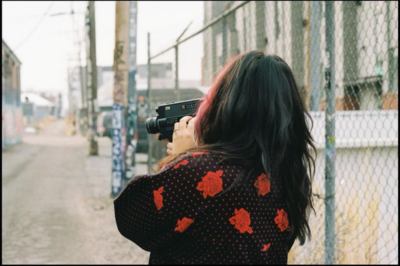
{"type": "Point", "coordinates": [8, 49]}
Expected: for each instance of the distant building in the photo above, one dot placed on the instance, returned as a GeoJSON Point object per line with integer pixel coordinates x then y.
{"type": "Point", "coordinates": [105, 75]}
{"type": "Point", "coordinates": [366, 46]}
{"type": "Point", "coordinates": [56, 99]}
{"type": "Point", "coordinates": [11, 103]}
{"type": "Point", "coordinates": [36, 109]}
{"type": "Point", "coordinates": [162, 78]}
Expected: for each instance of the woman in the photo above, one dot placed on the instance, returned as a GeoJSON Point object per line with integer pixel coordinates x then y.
{"type": "Point", "coordinates": [236, 185]}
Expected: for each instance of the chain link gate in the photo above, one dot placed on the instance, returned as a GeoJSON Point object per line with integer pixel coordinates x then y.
{"type": "Point", "coordinates": [344, 56]}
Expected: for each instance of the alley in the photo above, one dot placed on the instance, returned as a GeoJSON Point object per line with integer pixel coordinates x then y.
{"type": "Point", "coordinates": [56, 204]}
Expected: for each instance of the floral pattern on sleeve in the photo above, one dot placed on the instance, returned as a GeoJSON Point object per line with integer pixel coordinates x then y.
{"type": "Point", "coordinates": [242, 221]}
{"type": "Point", "coordinates": [199, 153]}
{"type": "Point", "coordinates": [183, 224]}
{"type": "Point", "coordinates": [282, 220]}
{"type": "Point", "coordinates": [266, 247]}
{"type": "Point", "coordinates": [184, 162]}
{"type": "Point", "coordinates": [262, 184]}
{"type": "Point", "coordinates": [158, 198]}
{"type": "Point", "coordinates": [211, 184]}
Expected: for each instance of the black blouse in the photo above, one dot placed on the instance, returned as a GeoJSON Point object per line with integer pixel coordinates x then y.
{"type": "Point", "coordinates": [179, 215]}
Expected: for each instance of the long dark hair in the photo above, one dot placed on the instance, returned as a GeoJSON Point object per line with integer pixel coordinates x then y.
{"type": "Point", "coordinates": [254, 115]}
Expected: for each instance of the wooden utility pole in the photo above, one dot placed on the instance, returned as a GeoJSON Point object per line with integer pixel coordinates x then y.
{"type": "Point", "coordinates": [93, 75]}
{"type": "Point", "coordinates": [84, 114]}
{"type": "Point", "coordinates": [121, 57]}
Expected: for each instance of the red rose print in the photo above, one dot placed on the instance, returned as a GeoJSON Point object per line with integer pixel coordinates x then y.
{"type": "Point", "coordinates": [183, 224]}
{"type": "Point", "coordinates": [158, 198]}
{"type": "Point", "coordinates": [282, 220]}
{"type": "Point", "coordinates": [266, 247]}
{"type": "Point", "coordinates": [241, 220]}
{"type": "Point", "coordinates": [211, 184]}
{"type": "Point", "coordinates": [262, 184]}
{"type": "Point", "coordinates": [184, 162]}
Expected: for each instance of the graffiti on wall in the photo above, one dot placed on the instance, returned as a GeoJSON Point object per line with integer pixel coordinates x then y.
{"type": "Point", "coordinates": [11, 125]}
{"type": "Point", "coordinates": [117, 148]}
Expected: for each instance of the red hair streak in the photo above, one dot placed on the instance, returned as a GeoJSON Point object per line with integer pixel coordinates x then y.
{"type": "Point", "coordinates": [208, 98]}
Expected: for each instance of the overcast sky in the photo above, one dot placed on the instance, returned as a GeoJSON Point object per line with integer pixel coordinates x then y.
{"type": "Point", "coordinates": [46, 51]}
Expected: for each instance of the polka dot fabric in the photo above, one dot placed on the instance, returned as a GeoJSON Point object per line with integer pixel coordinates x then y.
{"type": "Point", "coordinates": [179, 215]}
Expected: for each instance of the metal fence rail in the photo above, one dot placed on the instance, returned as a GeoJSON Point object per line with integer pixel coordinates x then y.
{"type": "Point", "coordinates": [344, 56]}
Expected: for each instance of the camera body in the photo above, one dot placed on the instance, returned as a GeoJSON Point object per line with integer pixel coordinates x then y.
{"type": "Point", "coordinates": [168, 115]}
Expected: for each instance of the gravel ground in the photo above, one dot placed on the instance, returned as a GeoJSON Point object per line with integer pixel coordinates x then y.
{"type": "Point", "coordinates": [56, 206]}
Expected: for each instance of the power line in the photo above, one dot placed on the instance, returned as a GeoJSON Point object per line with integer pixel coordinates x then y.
{"type": "Point", "coordinates": [37, 25]}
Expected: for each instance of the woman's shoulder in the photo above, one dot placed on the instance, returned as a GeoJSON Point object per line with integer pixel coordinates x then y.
{"type": "Point", "coordinates": [191, 159]}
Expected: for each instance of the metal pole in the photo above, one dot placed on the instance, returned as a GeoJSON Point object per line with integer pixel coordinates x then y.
{"type": "Point", "coordinates": [84, 101]}
{"type": "Point", "coordinates": [94, 150]}
{"type": "Point", "coordinates": [149, 99]}
{"type": "Point", "coordinates": [224, 42]}
{"type": "Point", "coordinates": [121, 57]}
{"type": "Point", "coordinates": [390, 52]}
{"type": "Point", "coordinates": [88, 72]}
{"type": "Point", "coordinates": [177, 91]}
{"type": "Point", "coordinates": [148, 66]}
{"type": "Point", "coordinates": [307, 98]}
{"type": "Point", "coordinates": [130, 160]}
{"type": "Point", "coordinates": [315, 55]}
{"type": "Point", "coordinates": [330, 136]}
{"type": "Point", "coordinates": [70, 104]}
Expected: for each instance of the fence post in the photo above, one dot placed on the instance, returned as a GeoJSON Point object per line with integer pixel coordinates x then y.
{"type": "Point", "coordinates": [330, 135]}
{"type": "Point", "coordinates": [315, 56]}
{"type": "Point", "coordinates": [177, 91]}
{"type": "Point", "coordinates": [88, 72]}
{"type": "Point", "coordinates": [149, 140]}
{"type": "Point", "coordinates": [224, 42]}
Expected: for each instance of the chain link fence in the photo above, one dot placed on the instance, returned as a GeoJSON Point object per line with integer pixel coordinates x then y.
{"type": "Point", "coordinates": [344, 56]}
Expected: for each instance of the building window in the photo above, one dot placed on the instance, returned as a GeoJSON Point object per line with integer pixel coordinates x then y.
{"type": "Point", "coordinates": [154, 74]}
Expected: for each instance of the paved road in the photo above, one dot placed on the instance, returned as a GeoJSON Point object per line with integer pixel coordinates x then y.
{"type": "Point", "coordinates": [56, 203]}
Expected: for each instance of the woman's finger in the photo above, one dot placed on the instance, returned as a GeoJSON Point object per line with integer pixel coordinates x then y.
{"type": "Point", "coordinates": [169, 148]}
{"type": "Point", "coordinates": [191, 124]}
{"type": "Point", "coordinates": [183, 122]}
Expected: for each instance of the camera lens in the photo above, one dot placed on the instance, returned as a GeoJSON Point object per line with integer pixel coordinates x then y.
{"type": "Point", "coordinates": [151, 125]}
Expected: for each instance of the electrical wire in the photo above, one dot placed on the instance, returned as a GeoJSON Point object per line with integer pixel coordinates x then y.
{"type": "Point", "coordinates": [34, 29]}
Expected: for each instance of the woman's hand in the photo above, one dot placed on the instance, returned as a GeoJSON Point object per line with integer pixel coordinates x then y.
{"type": "Point", "coordinates": [183, 136]}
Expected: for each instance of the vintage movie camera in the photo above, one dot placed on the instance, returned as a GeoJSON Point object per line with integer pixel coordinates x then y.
{"type": "Point", "coordinates": [168, 115]}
